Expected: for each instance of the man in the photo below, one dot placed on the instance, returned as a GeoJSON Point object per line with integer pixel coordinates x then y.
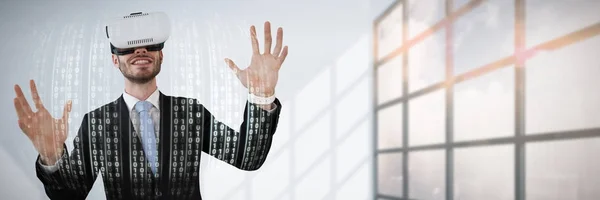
{"type": "Point", "coordinates": [147, 145]}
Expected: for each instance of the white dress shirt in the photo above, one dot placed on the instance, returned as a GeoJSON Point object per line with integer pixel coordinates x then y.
{"type": "Point", "coordinates": [154, 111]}
{"type": "Point", "coordinates": [130, 101]}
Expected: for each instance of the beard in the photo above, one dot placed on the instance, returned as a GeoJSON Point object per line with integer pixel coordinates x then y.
{"type": "Point", "coordinates": [141, 77]}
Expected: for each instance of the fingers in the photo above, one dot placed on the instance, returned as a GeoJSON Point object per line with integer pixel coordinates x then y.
{"type": "Point", "coordinates": [268, 40]}
{"type": "Point", "coordinates": [283, 55]}
{"type": "Point", "coordinates": [279, 42]}
{"type": "Point", "coordinates": [67, 110]}
{"type": "Point", "coordinates": [23, 102]}
{"type": "Point", "coordinates": [60, 128]}
{"type": "Point", "coordinates": [255, 47]}
{"type": "Point", "coordinates": [35, 95]}
{"type": "Point", "coordinates": [267, 37]}
{"type": "Point", "coordinates": [233, 66]}
{"type": "Point", "coordinates": [20, 112]}
{"type": "Point", "coordinates": [23, 118]}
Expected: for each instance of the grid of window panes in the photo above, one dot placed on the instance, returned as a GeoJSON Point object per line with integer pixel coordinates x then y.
{"type": "Point", "coordinates": [487, 99]}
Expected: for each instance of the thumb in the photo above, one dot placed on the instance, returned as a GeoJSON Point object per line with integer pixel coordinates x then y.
{"type": "Point", "coordinates": [64, 122]}
{"type": "Point", "coordinates": [232, 66]}
{"type": "Point", "coordinates": [67, 110]}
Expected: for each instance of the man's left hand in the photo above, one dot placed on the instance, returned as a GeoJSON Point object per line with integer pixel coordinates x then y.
{"type": "Point", "coordinates": [262, 74]}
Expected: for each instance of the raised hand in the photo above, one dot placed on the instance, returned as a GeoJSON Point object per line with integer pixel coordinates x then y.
{"type": "Point", "coordinates": [47, 134]}
{"type": "Point", "coordinates": [262, 74]}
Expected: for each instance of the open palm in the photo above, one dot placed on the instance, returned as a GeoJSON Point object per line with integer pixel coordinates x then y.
{"type": "Point", "coordinates": [47, 134]}
{"type": "Point", "coordinates": [262, 74]}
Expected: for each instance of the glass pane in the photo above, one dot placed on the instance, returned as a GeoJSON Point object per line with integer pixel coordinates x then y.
{"type": "Point", "coordinates": [484, 107]}
{"type": "Point", "coordinates": [423, 14]}
{"type": "Point", "coordinates": [484, 173]}
{"type": "Point", "coordinates": [484, 35]}
{"type": "Point", "coordinates": [389, 126]}
{"type": "Point", "coordinates": [547, 20]}
{"type": "Point", "coordinates": [427, 119]}
{"type": "Point", "coordinates": [389, 32]}
{"type": "Point", "coordinates": [389, 176]}
{"type": "Point", "coordinates": [563, 170]}
{"type": "Point", "coordinates": [562, 88]}
{"type": "Point", "coordinates": [427, 171]}
{"type": "Point", "coordinates": [426, 62]}
{"type": "Point", "coordinates": [389, 80]}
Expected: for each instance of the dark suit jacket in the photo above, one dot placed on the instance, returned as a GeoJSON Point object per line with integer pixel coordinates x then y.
{"type": "Point", "coordinates": [108, 144]}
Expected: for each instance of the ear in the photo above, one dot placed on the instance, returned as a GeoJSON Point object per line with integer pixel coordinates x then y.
{"type": "Point", "coordinates": [115, 60]}
{"type": "Point", "coordinates": [160, 56]}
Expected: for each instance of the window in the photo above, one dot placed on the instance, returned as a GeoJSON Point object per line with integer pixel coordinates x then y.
{"type": "Point", "coordinates": [390, 174]}
{"type": "Point", "coordinates": [484, 106]}
{"type": "Point", "coordinates": [547, 20]}
{"type": "Point", "coordinates": [484, 35]}
{"type": "Point", "coordinates": [423, 14]}
{"type": "Point", "coordinates": [427, 119]}
{"type": "Point", "coordinates": [426, 62]}
{"type": "Point", "coordinates": [389, 126]}
{"type": "Point", "coordinates": [484, 173]}
{"type": "Point", "coordinates": [563, 170]}
{"type": "Point", "coordinates": [562, 88]}
{"type": "Point", "coordinates": [389, 32]}
{"type": "Point", "coordinates": [389, 80]}
{"type": "Point", "coordinates": [500, 128]}
{"type": "Point", "coordinates": [427, 171]}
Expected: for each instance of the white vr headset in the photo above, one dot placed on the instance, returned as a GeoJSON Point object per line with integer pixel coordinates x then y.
{"type": "Point", "coordinates": [149, 30]}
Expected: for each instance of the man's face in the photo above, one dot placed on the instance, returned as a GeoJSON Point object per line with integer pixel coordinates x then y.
{"type": "Point", "coordinates": [140, 66]}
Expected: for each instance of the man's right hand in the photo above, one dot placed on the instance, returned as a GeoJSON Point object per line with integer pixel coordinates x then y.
{"type": "Point", "coordinates": [47, 134]}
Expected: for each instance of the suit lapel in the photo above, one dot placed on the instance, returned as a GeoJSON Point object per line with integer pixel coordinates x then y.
{"type": "Point", "coordinates": [126, 128]}
{"type": "Point", "coordinates": [164, 144]}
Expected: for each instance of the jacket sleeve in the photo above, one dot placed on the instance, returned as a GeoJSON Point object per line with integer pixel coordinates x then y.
{"type": "Point", "coordinates": [248, 148]}
{"type": "Point", "coordinates": [73, 177]}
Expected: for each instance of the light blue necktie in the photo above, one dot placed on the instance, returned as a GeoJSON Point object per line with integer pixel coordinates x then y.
{"type": "Point", "coordinates": [147, 132]}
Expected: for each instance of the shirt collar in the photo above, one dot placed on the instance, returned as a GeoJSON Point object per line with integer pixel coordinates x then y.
{"type": "Point", "coordinates": [131, 100]}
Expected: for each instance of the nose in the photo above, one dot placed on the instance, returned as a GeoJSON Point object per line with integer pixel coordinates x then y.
{"type": "Point", "coordinates": [141, 50]}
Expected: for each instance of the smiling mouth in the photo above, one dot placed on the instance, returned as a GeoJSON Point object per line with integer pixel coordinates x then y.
{"type": "Point", "coordinates": [141, 62]}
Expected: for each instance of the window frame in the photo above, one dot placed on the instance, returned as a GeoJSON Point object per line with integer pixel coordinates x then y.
{"type": "Point", "coordinates": [516, 61]}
